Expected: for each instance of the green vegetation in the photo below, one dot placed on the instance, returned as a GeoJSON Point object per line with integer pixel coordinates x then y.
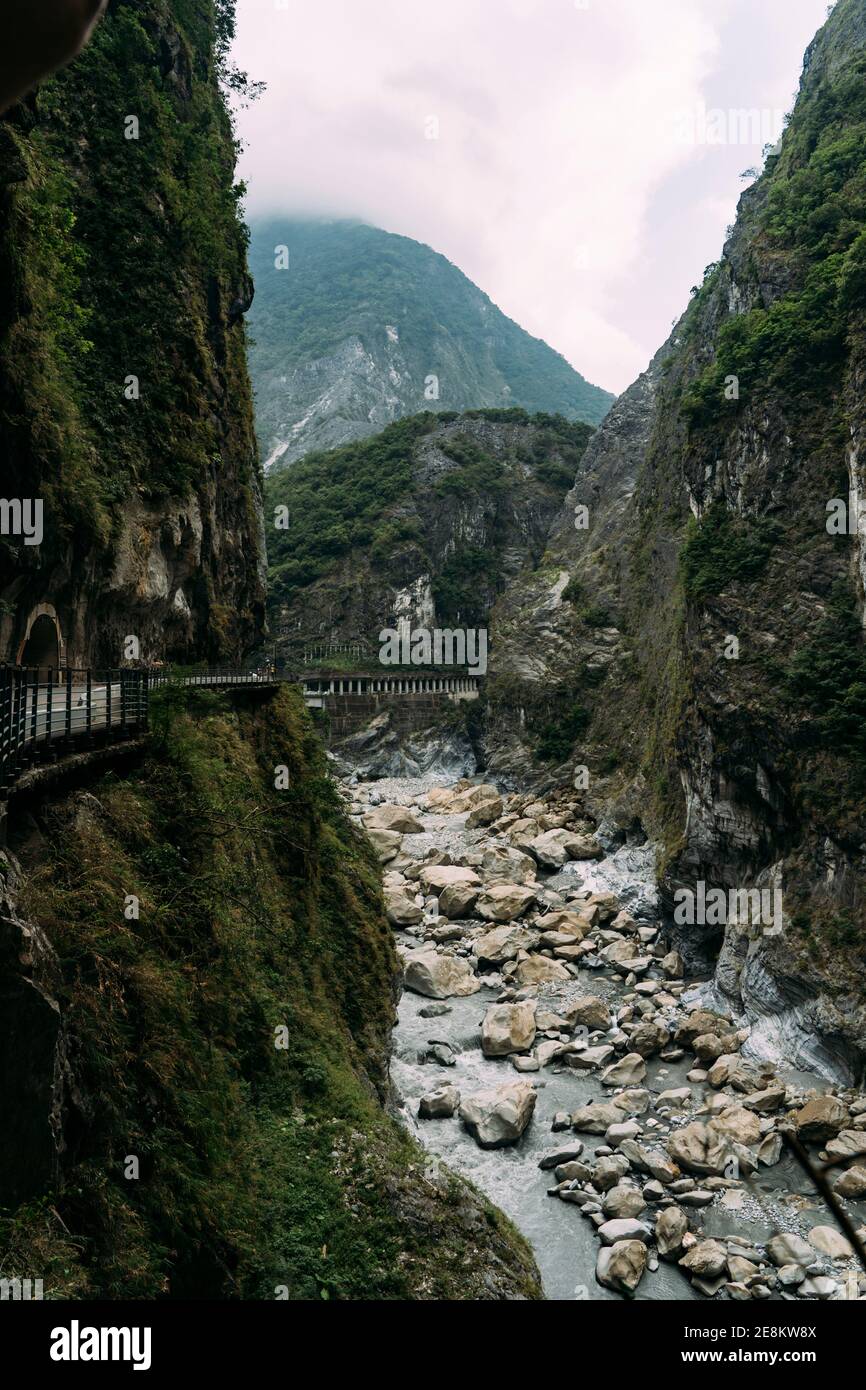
{"type": "Point", "coordinates": [826, 679]}
{"type": "Point", "coordinates": [478, 473]}
{"type": "Point", "coordinates": [339, 501]}
{"type": "Point", "coordinates": [120, 258]}
{"type": "Point", "coordinates": [261, 1166]}
{"type": "Point", "coordinates": [367, 499]}
{"type": "Point", "coordinates": [813, 219]}
{"type": "Point", "coordinates": [557, 736]}
{"type": "Point", "coordinates": [347, 281]}
{"type": "Point", "coordinates": [723, 548]}
{"type": "Point", "coordinates": [460, 589]}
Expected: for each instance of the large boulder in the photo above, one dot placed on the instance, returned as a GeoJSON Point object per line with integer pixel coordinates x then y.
{"type": "Point", "coordinates": [706, 1260]}
{"type": "Point", "coordinates": [737, 1123]}
{"type": "Point", "coordinates": [440, 1104]}
{"type": "Point", "coordinates": [503, 944]}
{"type": "Point", "coordinates": [503, 902]}
{"type": "Point", "coordinates": [790, 1249]}
{"type": "Point", "coordinates": [588, 1012]}
{"type": "Point", "coordinates": [499, 1116]}
{"type": "Point", "coordinates": [628, 1071]}
{"type": "Point", "coordinates": [538, 970]}
{"type": "Point", "coordinates": [508, 1028]}
{"type": "Point", "coordinates": [472, 797]}
{"type": "Point", "coordinates": [623, 1201]}
{"type": "Point", "coordinates": [849, 1143]}
{"type": "Point", "coordinates": [438, 975]}
{"type": "Point", "coordinates": [571, 923]}
{"type": "Point", "coordinates": [439, 798]}
{"type": "Point", "coordinates": [458, 899]}
{"type": "Point", "coordinates": [671, 1227]}
{"type": "Point", "coordinates": [698, 1022]}
{"type": "Point", "coordinates": [624, 1228]}
{"type": "Point", "coordinates": [401, 908]}
{"type": "Point", "coordinates": [435, 877]}
{"type": "Point", "coordinates": [596, 1118]}
{"type": "Point", "coordinates": [820, 1118]}
{"type": "Point", "coordinates": [622, 952]}
{"type": "Point", "coordinates": [828, 1241]}
{"type": "Point", "coordinates": [393, 818]}
{"type": "Point", "coordinates": [648, 1038]}
{"type": "Point", "coordinates": [485, 813]}
{"type": "Point", "coordinates": [386, 843]}
{"type": "Point", "coordinates": [554, 848]}
{"type": "Point", "coordinates": [699, 1149]}
{"type": "Point", "coordinates": [505, 865]}
{"type": "Point", "coordinates": [621, 1266]}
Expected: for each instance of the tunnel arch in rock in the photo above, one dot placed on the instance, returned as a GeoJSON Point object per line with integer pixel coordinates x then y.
{"type": "Point", "coordinates": [42, 645]}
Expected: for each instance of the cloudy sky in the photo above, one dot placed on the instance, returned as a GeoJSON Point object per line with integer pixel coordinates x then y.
{"type": "Point", "coordinates": [578, 159]}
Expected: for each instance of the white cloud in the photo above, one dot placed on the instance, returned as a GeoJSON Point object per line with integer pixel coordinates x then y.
{"type": "Point", "coordinates": [554, 155]}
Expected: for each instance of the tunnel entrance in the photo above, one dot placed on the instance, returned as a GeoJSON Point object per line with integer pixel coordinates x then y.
{"type": "Point", "coordinates": [42, 647]}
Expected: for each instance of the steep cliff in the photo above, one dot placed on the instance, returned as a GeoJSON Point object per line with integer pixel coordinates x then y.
{"type": "Point", "coordinates": [124, 398]}
{"type": "Point", "coordinates": [708, 618]}
{"type": "Point", "coordinates": [354, 327]}
{"type": "Point", "coordinates": [201, 1085]}
{"type": "Point", "coordinates": [427, 522]}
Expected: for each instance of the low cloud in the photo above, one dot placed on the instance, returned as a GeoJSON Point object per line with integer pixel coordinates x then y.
{"type": "Point", "coordinates": [532, 142]}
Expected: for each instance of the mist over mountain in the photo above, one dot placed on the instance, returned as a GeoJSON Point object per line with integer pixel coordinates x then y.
{"type": "Point", "coordinates": [354, 327]}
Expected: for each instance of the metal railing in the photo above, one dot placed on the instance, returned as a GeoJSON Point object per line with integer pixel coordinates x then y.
{"type": "Point", "coordinates": [46, 712]}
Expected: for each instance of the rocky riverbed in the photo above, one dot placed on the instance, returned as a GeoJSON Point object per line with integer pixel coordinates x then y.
{"type": "Point", "coordinates": [549, 1048]}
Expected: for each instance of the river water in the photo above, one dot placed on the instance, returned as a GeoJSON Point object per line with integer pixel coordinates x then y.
{"type": "Point", "coordinates": [563, 1241]}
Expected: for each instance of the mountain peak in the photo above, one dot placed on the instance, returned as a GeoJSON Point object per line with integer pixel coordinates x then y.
{"type": "Point", "coordinates": [355, 327]}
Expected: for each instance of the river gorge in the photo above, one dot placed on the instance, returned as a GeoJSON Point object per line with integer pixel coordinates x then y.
{"type": "Point", "coordinates": [625, 1121]}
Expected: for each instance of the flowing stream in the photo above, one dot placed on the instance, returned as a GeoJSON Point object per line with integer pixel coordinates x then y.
{"type": "Point", "coordinates": [564, 1241]}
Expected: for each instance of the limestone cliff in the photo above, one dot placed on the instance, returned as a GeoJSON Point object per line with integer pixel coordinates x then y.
{"type": "Point", "coordinates": [353, 327]}
{"type": "Point", "coordinates": [705, 627]}
{"type": "Point", "coordinates": [427, 522]}
{"type": "Point", "coordinates": [124, 400]}
{"type": "Point", "coordinates": [195, 1099]}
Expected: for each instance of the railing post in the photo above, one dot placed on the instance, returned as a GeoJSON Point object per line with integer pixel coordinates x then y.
{"type": "Point", "coordinates": [145, 693]}
{"type": "Point", "coordinates": [6, 729]}
{"type": "Point", "coordinates": [21, 756]}
{"type": "Point", "coordinates": [49, 706]}
{"type": "Point", "coordinates": [35, 715]}
{"type": "Point", "coordinates": [108, 703]}
{"type": "Point", "coordinates": [69, 706]}
{"type": "Point", "coordinates": [88, 718]}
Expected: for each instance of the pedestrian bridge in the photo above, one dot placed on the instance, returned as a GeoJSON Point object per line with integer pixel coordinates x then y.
{"type": "Point", "coordinates": [322, 687]}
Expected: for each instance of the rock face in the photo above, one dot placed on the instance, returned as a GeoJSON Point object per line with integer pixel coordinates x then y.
{"type": "Point", "coordinates": [706, 509]}
{"type": "Point", "coordinates": [385, 313]}
{"type": "Point", "coordinates": [146, 466]}
{"type": "Point", "coordinates": [34, 1074]}
{"type": "Point", "coordinates": [461, 506]}
{"type": "Point", "coordinates": [498, 1117]}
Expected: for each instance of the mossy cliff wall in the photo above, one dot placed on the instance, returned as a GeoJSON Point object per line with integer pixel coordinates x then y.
{"type": "Point", "coordinates": [707, 489]}
{"type": "Point", "coordinates": [260, 1167]}
{"type": "Point", "coordinates": [122, 256]}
